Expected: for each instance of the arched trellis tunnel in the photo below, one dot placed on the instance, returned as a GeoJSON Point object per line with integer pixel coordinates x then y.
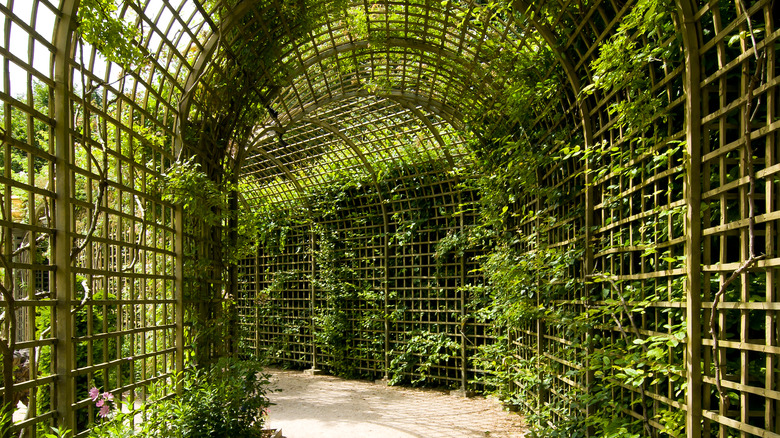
{"type": "Point", "coordinates": [570, 203]}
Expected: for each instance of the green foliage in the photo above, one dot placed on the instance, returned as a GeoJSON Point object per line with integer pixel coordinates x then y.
{"type": "Point", "coordinates": [501, 365]}
{"type": "Point", "coordinates": [6, 418]}
{"type": "Point", "coordinates": [646, 37]}
{"type": "Point", "coordinates": [116, 39]}
{"type": "Point", "coordinates": [55, 433]}
{"type": "Point", "coordinates": [227, 400]}
{"type": "Point", "coordinates": [519, 280]}
{"type": "Point", "coordinates": [98, 319]}
{"type": "Point", "coordinates": [632, 360]}
{"type": "Point", "coordinates": [357, 22]}
{"type": "Point", "coordinates": [272, 229]}
{"type": "Point", "coordinates": [336, 280]}
{"type": "Point", "coordinates": [205, 202]}
{"type": "Point", "coordinates": [187, 185]}
{"type": "Point", "coordinates": [422, 351]}
{"type": "Point", "coordinates": [332, 336]}
{"type": "Point", "coordinates": [339, 285]}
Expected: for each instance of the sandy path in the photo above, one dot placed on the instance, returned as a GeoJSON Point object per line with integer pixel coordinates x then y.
{"type": "Point", "coordinates": [330, 407]}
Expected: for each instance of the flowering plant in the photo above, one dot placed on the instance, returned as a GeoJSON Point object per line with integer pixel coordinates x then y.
{"type": "Point", "coordinates": [102, 401]}
{"type": "Point", "coordinates": [227, 399]}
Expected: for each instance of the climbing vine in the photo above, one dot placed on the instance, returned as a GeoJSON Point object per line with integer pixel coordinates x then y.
{"type": "Point", "coordinates": [523, 277]}
{"type": "Point", "coordinates": [533, 283]}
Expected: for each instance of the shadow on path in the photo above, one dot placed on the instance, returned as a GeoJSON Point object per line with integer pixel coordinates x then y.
{"type": "Point", "coordinates": [330, 407]}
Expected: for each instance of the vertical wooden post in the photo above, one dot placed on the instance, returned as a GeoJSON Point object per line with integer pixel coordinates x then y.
{"type": "Point", "coordinates": [312, 303]}
{"type": "Point", "coordinates": [692, 194]}
{"type": "Point", "coordinates": [178, 249]}
{"type": "Point", "coordinates": [588, 262]}
{"type": "Point", "coordinates": [387, 293]}
{"type": "Point", "coordinates": [233, 206]}
{"type": "Point", "coordinates": [256, 303]}
{"type": "Point", "coordinates": [6, 402]}
{"type": "Point", "coordinates": [463, 337]}
{"type": "Point", "coordinates": [771, 375]}
{"type": "Point", "coordinates": [232, 286]}
{"type": "Point", "coordinates": [541, 395]}
{"type": "Point", "coordinates": [178, 246]}
{"type": "Point", "coordinates": [64, 355]}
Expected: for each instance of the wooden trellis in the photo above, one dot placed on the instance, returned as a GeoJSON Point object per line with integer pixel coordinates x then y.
{"type": "Point", "coordinates": [94, 257]}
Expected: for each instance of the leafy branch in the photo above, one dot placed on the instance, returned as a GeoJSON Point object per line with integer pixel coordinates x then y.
{"type": "Point", "coordinates": [116, 39]}
{"type": "Point", "coordinates": [624, 309]}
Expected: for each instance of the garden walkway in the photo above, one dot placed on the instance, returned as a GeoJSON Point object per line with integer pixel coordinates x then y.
{"type": "Point", "coordinates": [330, 407]}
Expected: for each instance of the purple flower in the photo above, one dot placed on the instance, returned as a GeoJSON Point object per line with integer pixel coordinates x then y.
{"type": "Point", "coordinates": [102, 401]}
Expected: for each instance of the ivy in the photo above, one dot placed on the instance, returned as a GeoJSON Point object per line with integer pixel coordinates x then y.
{"type": "Point", "coordinates": [646, 37]}
{"type": "Point", "coordinates": [115, 38]}
{"type": "Point", "coordinates": [421, 352]}
{"type": "Point", "coordinates": [337, 283]}
{"type": "Point", "coordinates": [188, 186]}
{"type": "Point", "coordinates": [527, 276]}
{"type": "Point", "coordinates": [207, 211]}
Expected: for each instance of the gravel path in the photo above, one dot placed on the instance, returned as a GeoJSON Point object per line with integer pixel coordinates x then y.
{"type": "Point", "coordinates": [330, 407]}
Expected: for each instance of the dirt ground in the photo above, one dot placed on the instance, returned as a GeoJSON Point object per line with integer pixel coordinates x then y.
{"type": "Point", "coordinates": [330, 407]}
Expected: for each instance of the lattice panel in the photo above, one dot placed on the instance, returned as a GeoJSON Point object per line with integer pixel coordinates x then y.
{"type": "Point", "coordinates": [350, 311]}
{"type": "Point", "coordinates": [406, 290]}
{"type": "Point", "coordinates": [85, 143]}
{"type": "Point", "coordinates": [425, 297]}
{"type": "Point", "coordinates": [739, 123]}
{"type": "Point", "coordinates": [28, 172]}
{"type": "Point", "coordinates": [284, 296]}
{"type": "Point", "coordinates": [84, 161]}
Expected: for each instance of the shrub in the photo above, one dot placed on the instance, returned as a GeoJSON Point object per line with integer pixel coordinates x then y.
{"type": "Point", "coordinates": [228, 400]}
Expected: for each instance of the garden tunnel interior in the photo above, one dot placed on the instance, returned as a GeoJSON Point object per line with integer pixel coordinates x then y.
{"type": "Point", "coordinates": [556, 201]}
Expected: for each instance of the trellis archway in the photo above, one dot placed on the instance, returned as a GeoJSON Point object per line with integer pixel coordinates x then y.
{"type": "Point", "coordinates": [288, 100]}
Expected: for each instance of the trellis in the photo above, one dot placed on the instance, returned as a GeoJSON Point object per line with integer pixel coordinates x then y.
{"type": "Point", "coordinates": [373, 85]}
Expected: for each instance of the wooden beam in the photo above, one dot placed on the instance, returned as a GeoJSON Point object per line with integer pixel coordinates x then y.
{"type": "Point", "coordinates": [692, 195]}
{"type": "Point", "coordinates": [64, 389]}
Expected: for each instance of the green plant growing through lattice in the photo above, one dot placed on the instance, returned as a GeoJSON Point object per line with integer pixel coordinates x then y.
{"type": "Point", "coordinates": [227, 399]}
{"type": "Point", "coordinates": [421, 352]}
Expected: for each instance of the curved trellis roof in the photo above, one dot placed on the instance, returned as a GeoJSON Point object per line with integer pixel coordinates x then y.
{"type": "Point", "coordinates": [394, 64]}
{"type": "Point", "coordinates": [437, 57]}
{"type": "Point", "coordinates": [355, 134]}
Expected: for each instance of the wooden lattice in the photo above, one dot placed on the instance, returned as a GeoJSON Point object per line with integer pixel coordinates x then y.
{"type": "Point", "coordinates": [94, 257]}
